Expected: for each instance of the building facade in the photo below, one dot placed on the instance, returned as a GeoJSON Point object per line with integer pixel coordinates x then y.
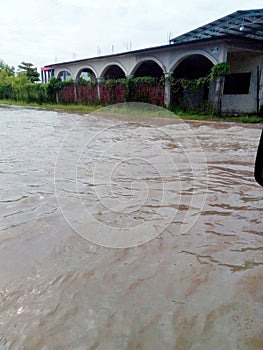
{"type": "Point", "coordinates": [236, 39]}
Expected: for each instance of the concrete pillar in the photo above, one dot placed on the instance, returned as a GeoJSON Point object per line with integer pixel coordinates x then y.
{"type": "Point", "coordinates": [167, 89]}
{"type": "Point", "coordinates": [75, 91]}
{"type": "Point", "coordinates": [220, 81]}
{"type": "Point", "coordinates": [99, 80]}
{"type": "Point", "coordinates": [219, 93]}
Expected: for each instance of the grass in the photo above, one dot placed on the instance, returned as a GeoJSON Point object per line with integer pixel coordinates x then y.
{"type": "Point", "coordinates": [253, 119]}
{"type": "Point", "coordinates": [134, 109]}
{"type": "Point", "coordinates": [71, 108]}
{"type": "Point", "coordinates": [138, 109]}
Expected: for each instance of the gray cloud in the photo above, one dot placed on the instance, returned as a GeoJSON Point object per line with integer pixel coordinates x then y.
{"type": "Point", "coordinates": [44, 30]}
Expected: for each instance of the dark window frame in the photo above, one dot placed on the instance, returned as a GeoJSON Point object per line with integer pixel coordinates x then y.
{"type": "Point", "coordinates": [237, 83]}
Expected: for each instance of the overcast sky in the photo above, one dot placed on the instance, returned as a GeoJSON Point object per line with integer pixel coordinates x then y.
{"type": "Point", "coordinates": [47, 31]}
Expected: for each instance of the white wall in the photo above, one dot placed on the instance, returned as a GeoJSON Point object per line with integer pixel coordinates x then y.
{"type": "Point", "coordinates": [243, 62]}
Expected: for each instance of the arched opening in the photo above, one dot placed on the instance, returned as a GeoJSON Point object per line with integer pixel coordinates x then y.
{"type": "Point", "coordinates": [64, 75]}
{"type": "Point", "coordinates": [113, 72]}
{"type": "Point", "coordinates": [192, 67]}
{"type": "Point", "coordinates": [149, 68]}
{"type": "Point", "coordinates": [86, 74]}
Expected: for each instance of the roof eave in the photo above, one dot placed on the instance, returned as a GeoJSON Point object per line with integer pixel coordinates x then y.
{"type": "Point", "coordinates": [148, 49]}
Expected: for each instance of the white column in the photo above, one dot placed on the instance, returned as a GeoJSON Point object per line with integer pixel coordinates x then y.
{"type": "Point", "coordinates": [99, 79]}
{"type": "Point", "coordinates": [167, 89]}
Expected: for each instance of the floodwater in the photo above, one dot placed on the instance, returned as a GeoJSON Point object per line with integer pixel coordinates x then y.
{"type": "Point", "coordinates": [128, 233]}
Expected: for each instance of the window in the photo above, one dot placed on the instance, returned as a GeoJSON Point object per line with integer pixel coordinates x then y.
{"type": "Point", "coordinates": [236, 84]}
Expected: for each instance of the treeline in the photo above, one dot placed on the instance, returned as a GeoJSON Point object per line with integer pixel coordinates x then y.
{"type": "Point", "coordinates": [22, 86]}
{"type": "Point", "coordinates": [20, 89]}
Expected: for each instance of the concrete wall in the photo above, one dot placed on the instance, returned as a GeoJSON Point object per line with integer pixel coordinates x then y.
{"type": "Point", "coordinates": [243, 62]}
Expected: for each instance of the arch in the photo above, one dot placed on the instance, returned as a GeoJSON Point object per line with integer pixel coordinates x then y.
{"type": "Point", "coordinates": [191, 66]}
{"type": "Point", "coordinates": [113, 71]}
{"type": "Point", "coordinates": [148, 66]}
{"type": "Point", "coordinates": [87, 73]}
{"type": "Point", "coordinates": [183, 56]}
{"type": "Point", "coordinates": [64, 74]}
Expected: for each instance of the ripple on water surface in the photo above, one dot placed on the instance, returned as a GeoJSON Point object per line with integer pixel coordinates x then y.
{"type": "Point", "coordinates": [197, 283]}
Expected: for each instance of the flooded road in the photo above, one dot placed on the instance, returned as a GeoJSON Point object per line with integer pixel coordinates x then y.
{"type": "Point", "coordinates": [127, 232]}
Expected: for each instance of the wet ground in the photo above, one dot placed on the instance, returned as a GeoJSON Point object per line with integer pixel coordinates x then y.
{"type": "Point", "coordinates": [129, 233]}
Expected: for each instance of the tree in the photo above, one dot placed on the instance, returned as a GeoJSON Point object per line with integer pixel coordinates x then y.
{"type": "Point", "coordinates": [30, 71]}
{"type": "Point", "coordinates": [10, 70]}
{"type": "Point", "coordinates": [5, 84]}
{"type": "Point", "coordinates": [54, 85]}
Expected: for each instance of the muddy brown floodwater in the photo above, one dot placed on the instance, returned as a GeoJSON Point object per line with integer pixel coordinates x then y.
{"type": "Point", "coordinates": [128, 233]}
